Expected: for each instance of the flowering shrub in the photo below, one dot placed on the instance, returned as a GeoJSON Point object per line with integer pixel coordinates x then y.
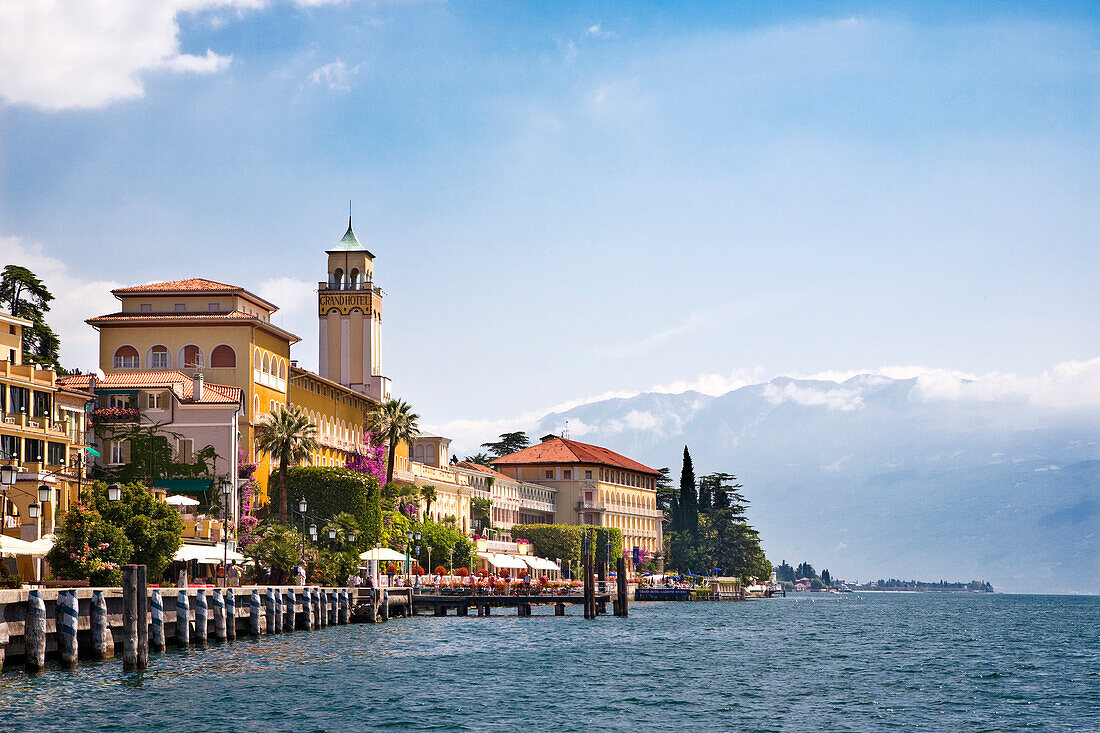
{"type": "Point", "coordinates": [247, 532]}
{"type": "Point", "coordinates": [89, 548]}
{"type": "Point", "coordinates": [440, 570]}
{"type": "Point", "coordinates": [371, 462]}
{"type": "Point", "coordinates": [417, 570]}
{"type": "Point", "coordinates": [462, 572]}
{"type": "Point", "coordinates": [391, 569]}
{"type": "Point", "coordinates": [113, 414]}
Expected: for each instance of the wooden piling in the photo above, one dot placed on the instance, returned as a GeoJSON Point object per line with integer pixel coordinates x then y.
{"type": "Point", "coordinates": [129, 618]}
{"type": "Point", "coordinates": [318, 618]}
{"type": "Point", "coordinates": [333, 607]}
{"type": "Point", "coordinates": [142, 617]}
{"type": "Point", "coordinates": [344, 611]}
{"type": "Point", "coordinates": [254, 611]}
{"type": "Point", "coordinates": [463, 610]}
{"type": "Point", "coordinates": [156, 631]}
{"type": "Point", "coordinates": [384, 607]}
{"type": "Point", "coordinates": [103, 643]}
{"type": "Point", "coordinates": [67, 614]}
{"type": "Point", "coordinates": [559, 609]}
{"type": "Point", "coordinates": [34, 633]}
{"type": "Point", "coordinates": [218, 601]}
{"type": "Point", "coordinates": [230, 614]}
{"type": "Point", "coordinates": [620, 576]}
{"type": "Point", "coordinates": [183, 619]}
{"type": "Point", "coordinates": [202, 617]}
{"type": "Point", "coordinates": [307, 609]}
{"type": "Point", "coordinates": [290, 610]}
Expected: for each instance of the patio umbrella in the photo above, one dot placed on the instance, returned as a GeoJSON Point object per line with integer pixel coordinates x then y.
{"type": "Point", "coordinates": [180, 500]}
{"type": "Point", "coordinates": [382, 554]}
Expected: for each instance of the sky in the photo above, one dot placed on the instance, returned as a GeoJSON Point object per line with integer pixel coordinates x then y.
{"type": "Point", "coordinates": [573, 200]}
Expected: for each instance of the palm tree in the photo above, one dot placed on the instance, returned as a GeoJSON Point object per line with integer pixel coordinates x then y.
{"type": "Point", "coordinates": [287, 435]}
{"type": "Point", "coordinates": [428, 494]}
{"type": "Point", "coordinates": [393, 421]}
{"type": "Point", "coordinates": [481, 510]}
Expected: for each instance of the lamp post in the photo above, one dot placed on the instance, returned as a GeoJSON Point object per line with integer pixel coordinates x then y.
{"type": "Point", "coordinates": [408, 546]}
{"type": "Point", "coordinates": [452, 561]}
{"type": "Point", "coordinates": [227, 490]}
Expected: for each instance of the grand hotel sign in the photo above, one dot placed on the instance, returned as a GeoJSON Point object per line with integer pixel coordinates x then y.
{"type": "Point", "coordinates": [345, 303]}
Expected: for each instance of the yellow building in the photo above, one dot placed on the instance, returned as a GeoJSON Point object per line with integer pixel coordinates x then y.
{"type": "Point", "coordinates": [191, 325]}
{"type": "Point", "coordinates": [595, 486]}
{"type": "Point", "coordinates": [41, 434]}
{"type": "Point", "coordinates": [338, 412]}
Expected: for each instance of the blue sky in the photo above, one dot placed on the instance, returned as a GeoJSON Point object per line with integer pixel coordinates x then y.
{"type": "Point", "coordinates": [570, 200]}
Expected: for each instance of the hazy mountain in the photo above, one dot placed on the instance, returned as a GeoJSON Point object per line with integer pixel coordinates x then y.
{"type": "Point", "coordinates": [876, 477]}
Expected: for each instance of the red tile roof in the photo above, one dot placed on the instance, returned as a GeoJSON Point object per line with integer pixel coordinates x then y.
{"type": "Point", "coordinates": [470, 466]}
{"type": "Point", "coordinates": [563, 450]}
{"type": "Point", "coordinates": [178, 286]}
{"type": "Point", "coordinates": [204, 315]}
{"type": "Point", "coordinates": [180, 383]}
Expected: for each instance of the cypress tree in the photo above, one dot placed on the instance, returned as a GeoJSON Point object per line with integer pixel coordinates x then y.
{"type": "Point", "coordinates": [689, 502]}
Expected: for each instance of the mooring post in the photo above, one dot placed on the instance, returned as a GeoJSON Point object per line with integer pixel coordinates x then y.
{"type": "Point", "coordinates": [385, 605]}
{"type": "Point", "coordinates": [621, 577]}
{"type": "Point", "coordinates": [230, 615]}
{"type": "Point", "coordinates": [280, 621]}
{"type": "Point", "coordinates": [183, 619]}
{"type": "Point", "coordinates": [218, 602]}
{"type": "Point", "coordinates": [559, 609]}
{"type": "Point", "coordinates": [156, 619]}
{"type": "Point", "coordinates": [290, 610]}
{"type": "Point", "coordinates": [129, 618]}
{"type": "Point", "coordinates": [271, 606]}
{"type": "Point", "coordinates": [315, 600]}
{"type": "Point", "coordinates": [344, 611]}
{"type": "Point", "coordinates": [34, 633]}
{"type": "Point", "coordinates": [254, 611]}
{"type": "Point", "coordinates": [307, 610]}
{"type": "Point", "coordinates": [143, 617]}
{"type": "Point", "coordinates": [67, 614]}
{"type": "Point", "coordinates": [202, 617]}
{"type": "Point", "coordinates": [103, 643]}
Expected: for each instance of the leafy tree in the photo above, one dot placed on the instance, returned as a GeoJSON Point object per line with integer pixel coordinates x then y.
{"type": "Point", "coordinates": [826, 578]}
{"type": "Point", "coordinates": [481, 511]}
{"type": "Point", "coordinates": [805, 570]}
{"type": "Point", "coordinates": [279, 548]}
{"type": "Point", "coordinates": [328, 491]}
{"type": "Point", "coordinates": [666, 492]}
{"type": "Point", "coordinates": [508, 444]}
{"type": "Point", "coordinates": [706, 486]}
{"type": "Point", "coordinates": [372, 522]}
{"type": "Point", "coordinates": [441, 539]}
{"type": "Point", "coordinates": [784, 573]}
{"type": "Point", "coordinates": [26, 296]}
{"type": "Point", "coordinates": [481, 459]}
{"type": "Point", "coordinates": [721, 487]}
{"type": "Point", "coordinates": [152, 456]}
{"type": "Point", "coordinates": [288, 436]}
{"type": "Point", "coordinates": [394, 422]}
{"type": "Point", "coordinates": [332, 567]}
{"type": "Point", "coordinates": [152, 526]}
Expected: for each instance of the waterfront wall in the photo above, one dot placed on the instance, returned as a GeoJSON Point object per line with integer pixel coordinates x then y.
{"type": "Point", "coordinates": [205, 623]}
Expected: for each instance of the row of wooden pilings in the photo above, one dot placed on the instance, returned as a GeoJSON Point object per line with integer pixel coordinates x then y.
{"type": "Point", "coordinates": [591, 608]}
{"type": "Point", "coordinates": [143, 626]}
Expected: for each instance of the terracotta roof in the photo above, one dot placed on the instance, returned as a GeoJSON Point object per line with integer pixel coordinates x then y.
{"type": "Point", "coordinates": [470, 466]}
{"type": "Point", "coordinates": [178, 286]}
{"type": "Point", "coordinates": [563, 450]}
{"type": "Point", "coordinates": [206, 315]}
{"type": "Point", "coordinates": [179, 382]}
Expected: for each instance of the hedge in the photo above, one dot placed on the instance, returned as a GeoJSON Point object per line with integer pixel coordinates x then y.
{"type": "Point", "coordinates": [327, 491]}
{"type": "Point", "coordinates": [564, 541]}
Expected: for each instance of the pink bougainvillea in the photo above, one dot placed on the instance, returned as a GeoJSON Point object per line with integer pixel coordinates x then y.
{"type": "Point", "coordinates": [245, 471]}
{"type": "Point", "coordinates": [372, 461]}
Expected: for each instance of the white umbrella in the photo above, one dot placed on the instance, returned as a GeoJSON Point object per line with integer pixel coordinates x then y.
{"type": "Point", "coordinates": [179, 500]}
{"type": "Point", "coordinates": [381, 554]}
{"type": "Point", "coordinates": [14, 546]}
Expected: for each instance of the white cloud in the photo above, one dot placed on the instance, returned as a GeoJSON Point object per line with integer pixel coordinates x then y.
{"type": "Point", "coordinates": [75, 299]}
{"type": "Point", "coordinates": [334, 75]}
{"type": "Point", "coordinates": [834, 399]}
{"type": "Point", "coordinates": [86, 54]}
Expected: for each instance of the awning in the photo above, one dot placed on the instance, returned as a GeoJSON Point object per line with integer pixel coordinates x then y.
{"type": "Point", "coordinates": [188, 485]}
{"type": "Point", "coordinates": [503, 561]}
{"type": "Point", "coordinates": [541, 563]}
{"type": "Point", "coordinates": [14, 546]}
{"type": "Point", "coordinates": [207, 554]}
{"type": "Point", "coordinates": [382, 554]}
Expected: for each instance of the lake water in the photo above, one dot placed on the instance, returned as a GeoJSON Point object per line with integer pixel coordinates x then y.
{"type": "Point", "coordinates": [816, 662]}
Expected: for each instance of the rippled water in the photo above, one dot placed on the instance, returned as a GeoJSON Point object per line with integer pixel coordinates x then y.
{"type": "Point", "coordinates": [854, 662]}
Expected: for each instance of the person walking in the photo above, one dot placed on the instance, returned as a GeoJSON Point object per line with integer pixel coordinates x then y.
{"type": "Point", "coordinates": [300, 575]}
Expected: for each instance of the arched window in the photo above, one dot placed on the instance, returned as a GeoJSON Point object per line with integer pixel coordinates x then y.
{"type": "Point", "coordinates": [256, 361]}
{"type": "Point", "coordinates": [223, 357]}
{"type": "Point", "coordinates": [282, 369]}
{"type": "Point", "coordinates": [338, 279]}
{"type": "Point", "coordinates": [267, 364]}
{"type": "Point", "coordinates": [126, 357]}
{"type": "Point", "coordinates": [354, 279]}
{"type": "Point", "coordinates": [256, 407]}
{"type": "Point", "coordinates": [190, 357]}
{"type": "Point", "coordinates": [158, 357]}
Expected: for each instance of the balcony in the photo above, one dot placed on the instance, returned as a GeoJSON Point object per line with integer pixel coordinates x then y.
{"type": "Point", "coordinates": [104, 415]}
{"type": "Point", "coordinates": [585, 505]}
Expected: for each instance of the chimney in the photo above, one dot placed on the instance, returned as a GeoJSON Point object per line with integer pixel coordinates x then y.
{"type": "Point", "coordinates": [294, 362]}
{"type": "Point", "coordinates": [196, 387]}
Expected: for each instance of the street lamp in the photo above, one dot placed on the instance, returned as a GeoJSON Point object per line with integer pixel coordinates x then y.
{"type": "Point", "coordinates": [302, 505]}
{"type": "Point", "coordinates": [332, 534]}
{"type": "Point", "coordinates": [313, 532]}
{"type": "Point", "coordinates": [33, 510]}
{"type": "Point", "coordinates": [114, 492]}
{"type": "Point", "coordinates": [227, 490]}
{"type": "Point", "coordinates": [44, 493]}
{"type": "Point", "coordinates": [7, 476]}
{"type": "Point", "coordinates": [351, 538]}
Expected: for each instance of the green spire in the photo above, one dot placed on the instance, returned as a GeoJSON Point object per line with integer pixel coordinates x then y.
{"type": "Point", "coordinates": [349, 243]}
